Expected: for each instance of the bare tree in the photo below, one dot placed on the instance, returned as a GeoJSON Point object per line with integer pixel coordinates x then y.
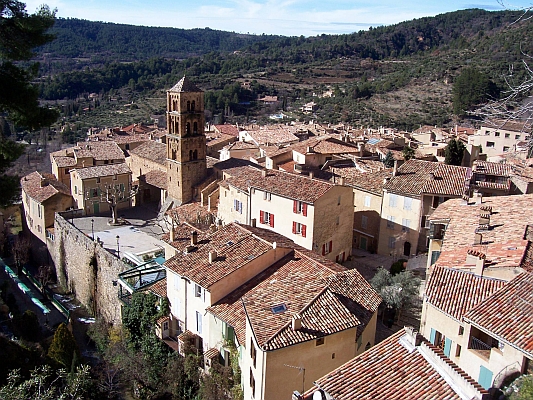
{"type": "Point", "coordinates": [45, 275]}
{"type": "Point", "coordinates": [113, 195]}
{"type": "Point", "coordinates": [21, 249]}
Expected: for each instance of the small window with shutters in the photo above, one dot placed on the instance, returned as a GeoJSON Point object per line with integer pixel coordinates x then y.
{"type": "Point", "coordinates": [299, 207]}
{"type": "Point", "coordinates": [327, 247]}
{"type": "Point", "coordinates": [299, 229]}
{"type": "Point", "coordinates": [266, 218]}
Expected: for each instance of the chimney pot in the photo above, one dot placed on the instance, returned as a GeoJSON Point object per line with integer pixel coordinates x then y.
{"type": "Point", "coordinates": [296, 322]}
{"type": "Point", "coordinates": [264, 173]}
{"type": "Point", "coordinates": [194, 238]}
{"type": "Point", "coordinates": [253, 222]}
{"type": "Point", "coordinates": [395, 168]}
{"type": "Point", "coordinates": [311, 175]}
{"type": "Point", "coordinates": [212, 256]}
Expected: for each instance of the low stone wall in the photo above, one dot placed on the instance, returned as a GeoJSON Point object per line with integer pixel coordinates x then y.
{"type": "Point", "coordinates": [86, 269]}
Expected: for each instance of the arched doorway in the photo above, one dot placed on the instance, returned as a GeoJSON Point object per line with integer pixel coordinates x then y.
{"type": "Point", "coordinates": [406, 249]}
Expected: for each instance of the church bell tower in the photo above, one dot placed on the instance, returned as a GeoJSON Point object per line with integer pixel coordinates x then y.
{"type": "Point", "coordinates": [186, 149]}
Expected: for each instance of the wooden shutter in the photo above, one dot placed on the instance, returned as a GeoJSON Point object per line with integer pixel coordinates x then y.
{"type": "Point", "coordinates": [293, 226]}
{"type": "Point", "coordinates": [295, 207]}
{"type": "Point", "coordinates": [343, 254]}
{"type": "Point", "coordinates": [304, 209]}
{"type": "Point", "coordinates": [272, 220]}
{"type": "Point", "coordinates": [262, 217]}
{"type": "Point", "coordinates": [304, 229]}
{"type": "Point", "coordinates": [330, 246]}
{"type": "Point", "coordinates": [323, 249]}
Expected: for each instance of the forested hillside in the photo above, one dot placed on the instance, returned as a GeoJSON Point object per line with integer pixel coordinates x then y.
{"type": "Point", "coordinates": [399, 75]}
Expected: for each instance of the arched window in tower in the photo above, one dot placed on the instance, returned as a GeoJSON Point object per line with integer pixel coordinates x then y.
{"type": "Point", "coordinates": [190, 154]}
{"type": "Point", "coordinates": [195, 128]}
{"type": "Point", "coordinates": [187, 128]}
{"type": "Point", "coordinates": [195, 155]}
{"type": "Point", "coordinates": [193, 105]}
{"type": "Point", "coordinates": [188, 105]}
{"type": "Point", "coordinates": [175, 130]}
{"type": "Point", "coordinates": [173, 154]}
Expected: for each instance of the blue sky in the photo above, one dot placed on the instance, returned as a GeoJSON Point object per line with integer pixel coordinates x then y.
{"type": "Point", "coordinates": [284, 17]}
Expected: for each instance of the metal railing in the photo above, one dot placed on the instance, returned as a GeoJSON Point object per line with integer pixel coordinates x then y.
{"type": "Point", "coordinates": [476, 344]}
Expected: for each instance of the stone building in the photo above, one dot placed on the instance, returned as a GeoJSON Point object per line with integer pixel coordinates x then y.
{"type": "Point", "coordinates": [186, 141]}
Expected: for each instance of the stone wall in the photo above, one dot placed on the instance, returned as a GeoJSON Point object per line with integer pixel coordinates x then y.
{"type": "Point", "coordinates": [86, 269]}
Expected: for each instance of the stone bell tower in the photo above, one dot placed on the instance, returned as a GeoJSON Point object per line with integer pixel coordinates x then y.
{"type": "Point", "coordinates": [186, 150]}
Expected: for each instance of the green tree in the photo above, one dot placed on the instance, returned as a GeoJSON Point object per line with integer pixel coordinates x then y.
{"type": "Point", "coordinates": [138, 317]}
{"type": "Point", "coordinates": [44, 385]}
{"type": "Point", "coordinates": [408, 153]}
{"type": "Point", "coordinates": [389, 160]}
{"type": "Point", "coordinates": [471, 88]}
{"type": "Point", "coordinates": [524, 387]}
{"type": "Point", "coordinates": [64, 349]}
{"type": "Point", "coordinates": [454, 152]}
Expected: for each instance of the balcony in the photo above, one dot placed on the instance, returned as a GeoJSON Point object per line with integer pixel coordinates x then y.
{"type": "Point", "coordinates": [482, 344]}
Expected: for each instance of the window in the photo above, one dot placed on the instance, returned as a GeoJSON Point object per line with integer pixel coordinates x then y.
{"type": "Point", "coordinates": [490, 144]}
{"type": "Point", "coordinates": [517, 137]}
{"type": "Point", "coordinates": [237, 206]}
{"type": "Point", "coordinates": [115, 177]}
{"type": "Point", "coordinates": [299, 229]}
{"type": "Point", "coordinates": [364, 221]}
{"type": "Point", "coordinates": [252, 382]}
{"type": "Point", "coordinates": [505, 148]}
{"type": "Point", "coordinates": [75, 190]}
{"type": "Point", "coordinates": [392, 242]}
{"type": "Point", "coordinates": [457, 350]}
{"type": "Point", "coordinates": [319, 341]}
{"type": "Point", "coordinates": [507, 135]}
{"type": "Point", "coordinates": [487, 133]}
{"type": "Point", "coordinates": [165, 326]}
{"type": "Point", "coordinates": [390, 222]}
{"type": "Point", "coordinates": [406, 223]}
{"type": "Point", "coordinates": [39, 210]}
{"type": "Point", "coordinates": [497, 134]}
{"type": "Point", "coordinates": [407, 203]}
{"type": "Point", "coordinates": [299, 207]}
{"type": "Point", "coordinates": [337, 221]}
{"type": "Point", "coordinates": [94, 192]}
{"type": "Point", "coordinates": [392, 200]}
{"type": "Point", "coordinates": [327, 247]}
{"type": "Point", "coordinates": [177, 281]}
{"type": "Point", "coordinates": [266, 218]}
{"type": "Point", "coordinates": [367, 201]}
{"type": "Point", "coordinates": [197, 290]}
{"type": "Point", "coordinates": [461, 330]}
{"type": "Point", "coordinates": [267, 196]}
{"type": "Point", "coordinates": [198, 322]}
{"type": "Point", "coordinates": [253, 352]}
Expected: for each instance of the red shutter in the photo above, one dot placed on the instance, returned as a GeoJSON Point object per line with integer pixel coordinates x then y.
{"type": "Point", "coordinates": [262, 217]}
{"type": "Point", "coordinates": [330, 245]}
{"type": "Point", "coordinates": [295, 207]}
{"type": "Point", "coordinates": [304, 229]}
{"type": "Point", "coordinates": [343, 254]}
{"type": "Point", "coordinates": [323, 249]}
{"type": "Point", "coordinates": [293, 226]}
{"type": "Point", "coordinates": [272, 220]}
{"type": "Point", "coordinates": [304, 209]}
{"type": "Point", "coordinates": [337, 259]}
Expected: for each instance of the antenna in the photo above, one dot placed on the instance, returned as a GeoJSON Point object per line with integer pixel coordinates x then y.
{"type": "Point", "coordinates": [302, 370]}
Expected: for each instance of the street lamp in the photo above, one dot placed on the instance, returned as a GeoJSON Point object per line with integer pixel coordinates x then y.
{"type": "Point", "coordinates": [118, 247]}
{"type": "Point", "coordinates": [92, 227]}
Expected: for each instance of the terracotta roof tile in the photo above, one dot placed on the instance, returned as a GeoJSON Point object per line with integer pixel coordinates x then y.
{"type": "Point", "coordinates": [185, 85]}
{"type": "Point", "coordinates": [508, 314]}
{"type": "Point", "coordinates": [156, 178]}
{"type": "Point", "coordinates": [100, 151]}
{"type": "Point", "coordinates": [153, 151]}
{"type": "Point", "coordinates": [372, 182]}
{"type": "Point", "coordinates": [492, 168]}
{"type": "Point", "coordinates": [416, 177]}
{"type": "Point", "coordinates": [391, 371]}
{"type": "Point", "coordinates": [281, 183]}
{"type": "Point", "coordinates": [103, 170]}
{"type": "Point", "coordinates": [41, 187]}
{"type": "Point", "coordinates": [227, 129]}
{"type": "Point", "coordinates": [158, 288]}
{"type": "Point", "coordinates": [456, 292]}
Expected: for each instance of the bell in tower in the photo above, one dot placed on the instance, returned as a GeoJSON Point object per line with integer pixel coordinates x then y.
{"type": "Point", "coordinates": [186, 149]}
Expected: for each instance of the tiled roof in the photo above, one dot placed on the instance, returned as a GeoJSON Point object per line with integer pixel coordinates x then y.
{"type": "Point", "coordinates": [390, 370]}
{"type": "Point", "coordinates": [153, 151]}
{"type": "Point", "coordinates": [492, 168]}
{"type": "Point", "coordinates": [508, 314]}
{"type": "Point", "coordinates": [182, 235]}
{"type": "Point", "coordinates": [324, 145]}
{"type": "Point", "coordinates": [235, 248]}
{"type": "Point", "coordinates": [503, 242]}
{"type": "Point", "coordinates": [327, 301]}
{"type": "Point", "coordinates": [372, 182]}
{"type": "Point", "coordinates": [281, 183]}
{"type": "Point", "coordinates": [99, 151]}
{"type": "Point", "coordinates": [214, 139]}
{"type": "Point", "coordinates": [41, 187]}
{"type": "Point", "coordinates": [185, 85]}
{"type": "Point", "coordinates": [193, 213]}
{"type": "Point", "coordinates": [63, 158]}
{"type": "Point", "coordinates": [103, 170]}
{"type": "Point", "coordinates": [227, 129]}
{"type": "Point", "coordinates": [416, 177]}
{"type": "Point", "coordinates": [456, 292]}
{"type": "Point", "coordinates": [241, 146]}
{"type": "Point", "coordinates": [273, 135]}
{"type": "Point", "coordinates": [156, 178]}
{"type": "Point", "coordinates": [288, 166]}
{"type": "Point", "coordinates": [514, 126]}
{"type": "Point", "coordinates": [158, 288]}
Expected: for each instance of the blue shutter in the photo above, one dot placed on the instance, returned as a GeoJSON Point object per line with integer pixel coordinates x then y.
{"type": "Point", "coordinates": [447, 346]}
{"type": "Point", "coordinates": [432, 335]}
{"type": "Point", "coordinates": [485, 377]}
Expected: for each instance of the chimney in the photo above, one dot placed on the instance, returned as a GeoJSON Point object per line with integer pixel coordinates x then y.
{"type": "Point", "coordinates": [395, 168]}
{"type": "Point", "coordinates": [274, 245]}
{"type": "Point", "coordinates": [172, 234]}
{"type": "Point", "coordinates": [311, 175]}
{"type": "Point", "coordinates": [411, 337]}
{"type": "Point", "coordinates": [478, 197]}
{"type": "Point", "coordinates": [263, 173]}
{"type": "Point", "coordinates": [296, 322]}
{"type": "Point", "coordinates": [431, 176]}
{"type": "Point", "coordinates": [212, 256]}
{"type": "Point", "coordinates": [310, 149]}
{"type": "Point", "coordinates": [194, 238]}
{"type": "Point", "coordinates": [341, 181]}
{"type": "Point", "coordinates": [484, 219]}
{"type": "Point", "coordinates": [477, 259]}
{"type": "Point", "coordinates": [487, 209]}
{"type": "Point", "coordinates": [219, 224]}
{"type": "Point", "coordinates": [253, 222]}
{"type": "Point", "coordinates": [478, 238]}
{"type": "Point", "coordinates": [385, 180]}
